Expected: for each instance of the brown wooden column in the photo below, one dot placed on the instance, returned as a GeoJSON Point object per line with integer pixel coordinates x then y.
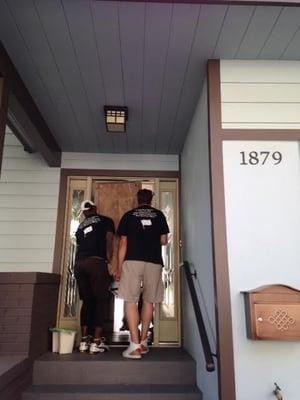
{"type": "Point", "coordinates": [221, 273]}
{"type": "Point", "coordinates": [3, 113]}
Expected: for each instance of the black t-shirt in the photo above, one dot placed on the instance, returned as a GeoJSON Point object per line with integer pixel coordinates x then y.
{"type": "Point", "coordinates": [91, 236]}
{"type": "Point", "coordinates": [143, 227]}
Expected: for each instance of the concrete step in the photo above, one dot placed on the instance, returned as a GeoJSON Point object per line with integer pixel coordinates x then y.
{"type": "Point", "coordinates": [164, 366]}
{"type": "Point", "coordinates": [112, 392]}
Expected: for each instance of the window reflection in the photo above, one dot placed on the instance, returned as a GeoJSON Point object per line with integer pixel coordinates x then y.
{"type": "Point", "coordinates": [70, 300]}
{"type": "Point", "coordinates": [168, 305]}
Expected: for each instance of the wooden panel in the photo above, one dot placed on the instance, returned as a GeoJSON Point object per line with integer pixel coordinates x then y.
{"type": "Point", "coordinates": [260, 71]}
{"type": "Point", "coordinates": [33, 189]}
{"type": "Point", "coordinates": [286, 26]}
{"type": "Point", "coordinates": [107, 35]}
{"type": "Point", "coordinates": [113, 200]}
{"type": "Point", "coordinates": [25, 267]}
{"type": "Point", "coordinates": [273, 313]}
{"type": "Point", "coordinates": [254, 125]}
{"type": "Point", "coordinates": [292, 50]}
{"type": "Point", "coordinates": [270, 113]}
{"type": "Point", "coordinates": [40, 176]}
{"type": "Point", "coordinates": [33, 241]}
{"type": "Point", "coordinates": [152, 162]}
{"type": "Point", "coordinates": [28, 212]}
{"type": "Point", "coordinates": [158, 19]}
{"type": "Point", "coordinates": [204, 42]}
{"type": "Point", "coordinates": [27, 255]}
{"type": "Point", "coordinates": [17, 152]}
{"type": "Point", "coordinates": [10, 139]}
{"type": "Point", "coordinates": [28, 202]}
{"type": "Point", "coordinates": [182, 30]}
{"type": "Point", "coordinates": [24, 164]}
{"type": "Point", "coordinates": [51, 101]}
{"type": "Point", "coordinates": [28, 228]}
{"type": "Point", "coordinates": [21, 102]}
{"type": "Point", "coordinates": [60, 41]}
{"type": "Point", "coordinates": [23, 214]}
{"type": "Point", "coordinates": [260, 92]}
{"type": "Point", "coordinates": [132, 38]}
{"type": "Point", "coordinates": [278, 322]}
{"type": "Point", "coordinates": [232, 31]}
{"type": "Point", "coordinates": [261, 24]}
{"type": "Point", "coordinates": [81, 24]}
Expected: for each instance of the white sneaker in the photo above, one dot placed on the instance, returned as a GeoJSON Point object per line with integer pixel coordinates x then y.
{"type": "Point", "coordinates": [84, 346]}
{"type": "Point", "coordinates": [96, 348]}
{"type": "Point", "coordinates": [144, 347]}
{"type": "Point", "coordinates": [133, 351]}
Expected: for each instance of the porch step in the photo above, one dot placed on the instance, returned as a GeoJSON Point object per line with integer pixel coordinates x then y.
{"type": "Point", "coordinates": [113, 392]}
{"type": "Point", "coordinates": [160, 366]}
{"type": "Point", "coordinates": [163, 374]}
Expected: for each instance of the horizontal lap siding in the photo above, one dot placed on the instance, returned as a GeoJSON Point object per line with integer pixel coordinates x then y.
{"type": "Point", "coordinates": [133, 162]}
{"type": "Point", "coordinates": [28, 210]}
{"type": "Point", "coordinates": [260, 94]}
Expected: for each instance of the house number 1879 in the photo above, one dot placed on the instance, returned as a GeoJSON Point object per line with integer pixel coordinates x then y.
{"type": "Point", "coordinates": [260, 157]}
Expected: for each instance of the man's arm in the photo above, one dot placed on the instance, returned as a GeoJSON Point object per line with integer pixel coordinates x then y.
{"type": "Point", "coordinates": [121, 255]}
{"type": "Point", "coordinates": [109, 245]}
{"type": "Point", "coordinates": [163, 240]}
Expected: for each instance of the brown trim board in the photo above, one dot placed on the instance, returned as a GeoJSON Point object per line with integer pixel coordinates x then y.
{"type": "Point", "coordinates": [221, 273]}
{"type": "Point", "coordinates": [4, 91]}
{"type": "Point", "coordinates": [23, 110]}
{"type": "Point", "coordinates": [66, 173]}
{"type": "Point", "coordinates": [284, 3]}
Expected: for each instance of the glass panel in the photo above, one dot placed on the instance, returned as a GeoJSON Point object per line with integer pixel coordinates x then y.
{"type": "Point", "coordinates": [168, 305]}
{"type": "Point", "coordinates": [70, 298]}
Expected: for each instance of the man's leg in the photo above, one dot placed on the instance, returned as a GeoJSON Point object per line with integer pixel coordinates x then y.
{"type": "Point", "coordinates": [133, 319]}
{"type": "Point", "coordinates": [129, 290]}
{"type": "Point", "coordinates": [146, 318]}
{"type": "Point", "coordinates": [87, 303]}
{"type": "Point", "coordinates": [153, 292]}
{"type": "Point", "coordinates": [99, 280]}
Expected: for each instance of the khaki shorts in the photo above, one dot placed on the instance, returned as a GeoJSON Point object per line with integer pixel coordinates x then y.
{"type": "Point", "coordinates": [137, 273]}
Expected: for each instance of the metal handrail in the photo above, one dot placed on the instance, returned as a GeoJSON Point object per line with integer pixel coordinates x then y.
{"type": "Point", "coordinates": [210, 364]}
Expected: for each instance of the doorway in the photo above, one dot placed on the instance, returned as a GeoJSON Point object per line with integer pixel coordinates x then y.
{"type": "Point", "coordinates": [115, 196]}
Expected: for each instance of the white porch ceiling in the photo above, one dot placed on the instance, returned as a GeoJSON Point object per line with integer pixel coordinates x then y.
{"type": "Point", "coordinates": [74, 56]}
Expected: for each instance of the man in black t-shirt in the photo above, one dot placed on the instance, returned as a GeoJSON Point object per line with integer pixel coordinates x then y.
{"type": "Point", "coordinates": [94, 238]}
{"type": "Point", "coordinates": [142, 232]}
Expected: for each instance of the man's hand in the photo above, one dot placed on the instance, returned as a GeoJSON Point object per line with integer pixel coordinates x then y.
{"type": "Point", "coordinates": [121, 255]}
{"type": "Point", "coordinates": [117, 275]}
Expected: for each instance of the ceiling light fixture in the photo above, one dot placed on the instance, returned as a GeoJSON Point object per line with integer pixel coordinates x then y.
{"type": "Point", "coordinates": [115, 118]}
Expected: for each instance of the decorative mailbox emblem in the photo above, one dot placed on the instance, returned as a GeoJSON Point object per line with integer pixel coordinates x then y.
{"type": "Point", "coordinates": [281, 319]}
{"type": "Point", "coordinates": [273, 313]}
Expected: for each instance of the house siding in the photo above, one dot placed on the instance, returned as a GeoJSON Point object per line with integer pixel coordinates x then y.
{"type": "Point", "coordinates": [260, 94]}
{"type": "Point", "coordinates": [132, 162]}
{"type": "Point", "coordinates": [29, 199]}
{"type": "Point", "coordinates": [28, 209]}
{"type": "Point", "coordinates": [262, 215]}
{"type": "Point", "coordinates": [197, 242]}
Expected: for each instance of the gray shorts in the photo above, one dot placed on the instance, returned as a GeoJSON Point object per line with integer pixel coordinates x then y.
{"type": "Point", "coordinates": [140, 273]}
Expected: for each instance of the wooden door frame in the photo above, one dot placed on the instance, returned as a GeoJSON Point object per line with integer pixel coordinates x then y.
{"type": "Point", "coordinates": [217, 135]}
{"type": "Point", "coordinates": [89, 175]}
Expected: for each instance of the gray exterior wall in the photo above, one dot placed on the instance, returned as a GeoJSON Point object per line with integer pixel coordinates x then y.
{"type": "Point", "coordinates": [28, 210]}
{"type": "Point", "coordinates": [197, 242]}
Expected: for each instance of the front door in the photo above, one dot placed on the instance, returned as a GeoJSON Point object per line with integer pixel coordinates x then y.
{"type": "Point", "coordinates": [114, 197]}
